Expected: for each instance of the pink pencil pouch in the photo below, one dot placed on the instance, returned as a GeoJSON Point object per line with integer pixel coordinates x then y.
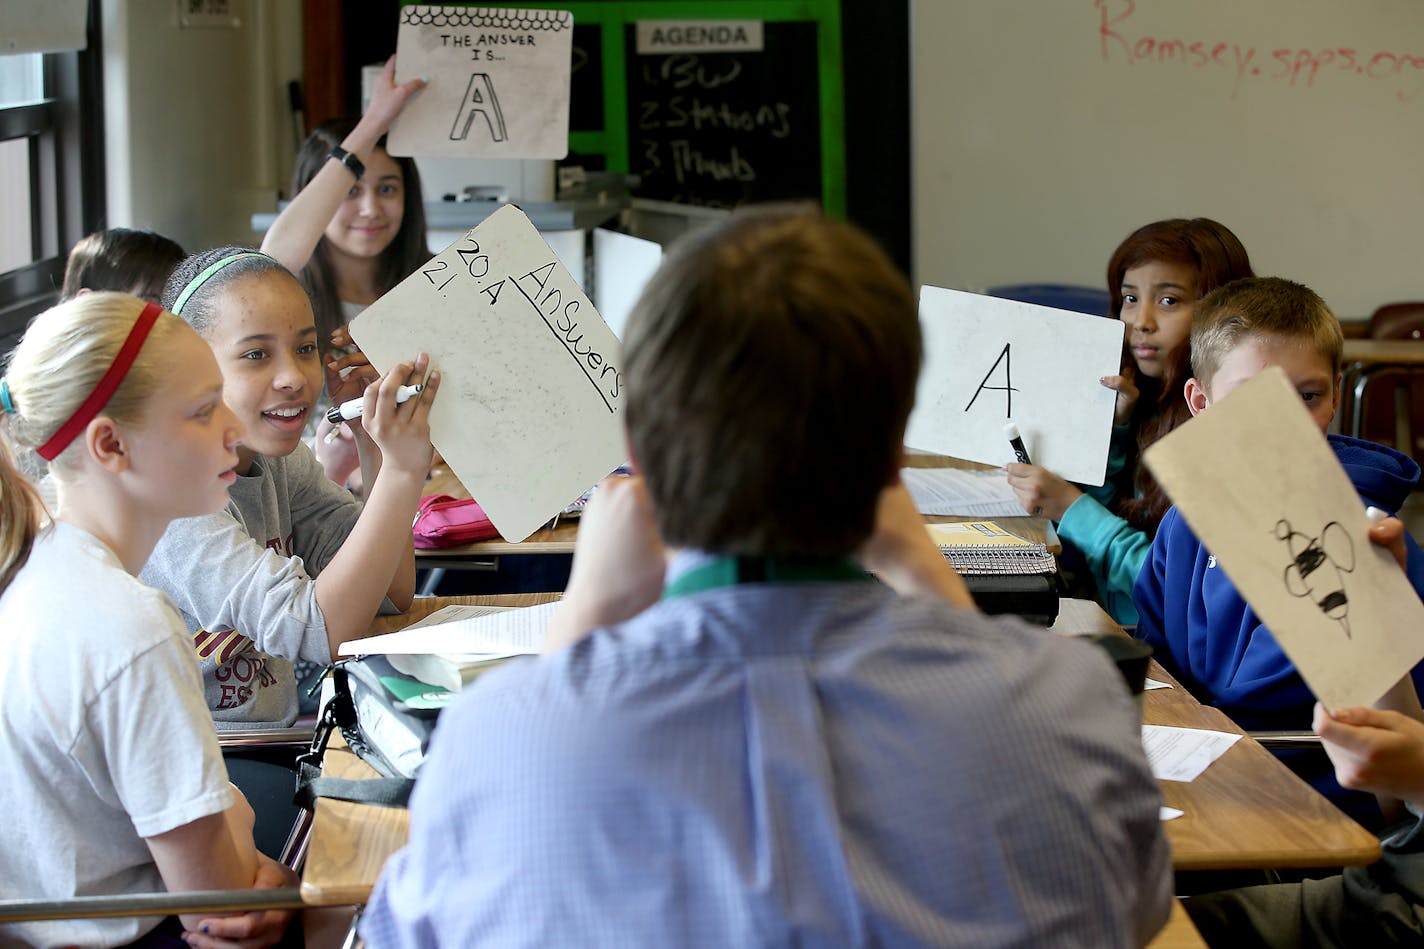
{"type": "Point", "coordinates": [443, 521]}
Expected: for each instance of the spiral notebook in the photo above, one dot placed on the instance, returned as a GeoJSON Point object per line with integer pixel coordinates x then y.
{"type": "Point", "coordinates": [983, 547]}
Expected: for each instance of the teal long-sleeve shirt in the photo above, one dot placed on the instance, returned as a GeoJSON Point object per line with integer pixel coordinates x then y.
{"type": "Point", "coordinates": [1113, 549]}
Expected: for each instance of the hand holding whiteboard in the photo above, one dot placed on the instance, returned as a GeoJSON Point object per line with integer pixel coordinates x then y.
{"type": "Point", "coordinates": [989, 360]}
{"type": "Point", "coordinates": [498, 82]}
{"type": "Point", "coordinates": [531, 378]}
{"type": "Point", "coordinates": [1260, 487]}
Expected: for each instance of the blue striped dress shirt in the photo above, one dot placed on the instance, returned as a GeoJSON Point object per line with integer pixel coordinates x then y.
{"type": "Point", "coordinates": [807, 764]}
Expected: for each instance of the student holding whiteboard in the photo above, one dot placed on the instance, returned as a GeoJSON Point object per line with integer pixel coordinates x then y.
{"type": "Point", "coordinates": [1154, 279]}
{"type": "Point", "coordinates": [354, 229]}
{"type": "Point", "coordinates": [1373, 749]}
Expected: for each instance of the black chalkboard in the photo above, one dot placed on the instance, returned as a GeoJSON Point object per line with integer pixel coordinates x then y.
{"type": "Point", "coordinates": [722, 129]}
{"type": "Point", "coordinates": [586, 79]}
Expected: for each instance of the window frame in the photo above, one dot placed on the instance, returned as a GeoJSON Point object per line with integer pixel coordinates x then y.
{"type": "Point", "coordinates": [66, 152]}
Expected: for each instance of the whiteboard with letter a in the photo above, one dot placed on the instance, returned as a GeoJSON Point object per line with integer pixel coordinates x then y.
{"type": "Point", "coordinates": [989, 361]}
{"type": "Point", "coordinates": [498, 82]}
{"type": "Point", "coordinates": [527, 415]}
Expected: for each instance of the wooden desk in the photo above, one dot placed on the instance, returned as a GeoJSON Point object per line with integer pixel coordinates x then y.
{"type": "Point", "coordinates": [1036, 529]}
{"type": "Point", "coordinates": [350, 842]}
{"type": "Point", "coordinates": [1179, 933]}
{"type": "Point", "coordinates": [560, 539]}
{"type": "Point", "coordinates": [1362, 360]}
{"type": "Point", "coordinates": [1247, 810]}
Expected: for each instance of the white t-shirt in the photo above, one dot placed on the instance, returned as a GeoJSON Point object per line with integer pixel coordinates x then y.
{"type": "Point", "coordinates": [104, 735]}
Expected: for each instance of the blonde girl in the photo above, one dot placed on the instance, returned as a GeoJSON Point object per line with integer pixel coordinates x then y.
{"type": "Point", "coordinates": [113, 779]}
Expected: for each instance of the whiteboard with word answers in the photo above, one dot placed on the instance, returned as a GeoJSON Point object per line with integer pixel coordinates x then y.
{"type": "Point", "coordinates": [527, 415]}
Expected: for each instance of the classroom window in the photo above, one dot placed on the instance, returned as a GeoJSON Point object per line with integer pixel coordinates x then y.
{"type": "Point", "coordinates": [51, 174]}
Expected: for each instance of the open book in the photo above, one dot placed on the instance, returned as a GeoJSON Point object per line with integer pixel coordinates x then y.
{"type": "Point", "coordinates": [984, 547]}
{"type": "Point", "coordinates": [452, 646]}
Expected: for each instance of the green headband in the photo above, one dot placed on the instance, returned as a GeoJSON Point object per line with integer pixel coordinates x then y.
{"type": "Point", "coordinates": [206, 275]}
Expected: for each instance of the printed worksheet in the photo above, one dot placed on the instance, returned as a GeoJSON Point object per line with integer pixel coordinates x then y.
{"type": "Point", "coordinates": [990, 361]}
{"type": "Point", "coordinates": [954, 491]}
{"type": "Point", "coordinates": [1182, 754]}
{"type": "Point", "coordinates": [463, 630]}
{"type": "Point", "coordinates": [1260, 487]}
{"type": "Point", "coordinates": [497, 82]}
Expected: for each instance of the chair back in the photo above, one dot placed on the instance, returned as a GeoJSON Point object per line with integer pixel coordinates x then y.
{"type": "Point", "coordinates": [1398, 321]}
{"type": "Point", "coordinates": [1061, 296]}
{"type": "Point", "coordinates": [1394, 398]}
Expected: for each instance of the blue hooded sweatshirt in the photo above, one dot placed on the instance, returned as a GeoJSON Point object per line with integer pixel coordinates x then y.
{"type": "Point", "coordinates": [1206, 635]}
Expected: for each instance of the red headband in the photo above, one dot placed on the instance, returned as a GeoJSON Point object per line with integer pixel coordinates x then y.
{"type": "Point", "coordinates": [109, 382]}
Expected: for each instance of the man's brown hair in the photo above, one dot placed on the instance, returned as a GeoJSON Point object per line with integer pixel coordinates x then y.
{"type": "Point", "coordinates": [1261, 308]}
{"type": "Point", "coordinates": [770, 367]}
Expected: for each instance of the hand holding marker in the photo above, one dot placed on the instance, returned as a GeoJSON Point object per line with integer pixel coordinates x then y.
{"type": "Point", "coordinates": [352, 408]}
{"type": "Point", "coordinates": [1016, 440]}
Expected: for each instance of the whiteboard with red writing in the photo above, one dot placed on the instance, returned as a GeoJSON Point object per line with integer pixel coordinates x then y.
{"type": "Point", "coordinates": [527, 416]}
{"type": "Point", "coordinates": [1046, 132]}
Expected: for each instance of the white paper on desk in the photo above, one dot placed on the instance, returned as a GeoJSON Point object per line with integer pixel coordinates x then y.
{"type": "Point", "coordinates": [1259, 485]}
{"type": "Point", "coordinates": [498, 82]}
{"type": "Point", "coordinates": [501, 631]}
{"type": "Point", "coordinates": [989, 360]}
{"type": "Point", "coordinates": [965, 493]}
{"type": "Point", "coordinates": [1182, 754]}
{"type": "Point", "coordinates": [527, 415]}
{"type": "Point", "coordinates": [1151, 684]}
{"type": "Point", "coordinates": [1166, 813]}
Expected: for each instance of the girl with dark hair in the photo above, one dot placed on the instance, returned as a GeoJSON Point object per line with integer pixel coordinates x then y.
{"type": "Point", "coordinates": [354, 229]}
{"type": "Point", "coordinates": [1155, 278]}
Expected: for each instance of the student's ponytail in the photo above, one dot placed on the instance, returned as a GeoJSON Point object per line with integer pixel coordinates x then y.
{"type": "Point", "coordinates": [56, 367]}
{"type": "Point", "coordinates": [19, 518]}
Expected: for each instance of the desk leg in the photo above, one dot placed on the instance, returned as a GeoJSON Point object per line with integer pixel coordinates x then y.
{"type": "Point", "coordinates": [432, 581]}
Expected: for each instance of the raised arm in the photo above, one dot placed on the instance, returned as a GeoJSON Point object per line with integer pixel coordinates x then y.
{"type": "Point", "coordinates": [619, 563]}
{"type": "Point", "coordinates": [294, 235]}
{"type": "Point", "coordinates": [380, 544]}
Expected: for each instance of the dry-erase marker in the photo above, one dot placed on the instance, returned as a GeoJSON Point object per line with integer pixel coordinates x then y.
{"type": "Point", "coordinates": [1016, 440]}
{"type": "Point", "coordinates": [352, 407]}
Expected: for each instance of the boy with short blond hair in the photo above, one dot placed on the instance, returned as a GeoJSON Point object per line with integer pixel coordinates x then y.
{"type": "Point", "coordinates": [1189, 610]}
{"type": "Point", "coordinates": [751, 742]}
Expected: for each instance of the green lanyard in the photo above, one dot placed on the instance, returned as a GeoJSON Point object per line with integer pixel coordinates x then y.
{"type": "Point", "coordinates": [730, 571]}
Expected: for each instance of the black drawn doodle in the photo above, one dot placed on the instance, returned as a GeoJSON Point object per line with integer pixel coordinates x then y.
{"type": "Point", "coordinates": [1318, 566]}
{"type": "Point", "coordinates": [479, 99]}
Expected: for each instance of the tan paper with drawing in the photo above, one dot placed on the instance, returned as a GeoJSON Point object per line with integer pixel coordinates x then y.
{"type": "Point", "coordinates": [1259, 485]}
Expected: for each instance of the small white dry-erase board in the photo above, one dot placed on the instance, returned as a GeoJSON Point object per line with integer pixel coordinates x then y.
{"type": "Point", "coordinates": [527, 415]}
{"type": "Point", "coordinates": [1260, 487]}
{"type": "Point", "coordinates": [498, 82]}
{"type": "Point", "coordinates": [989, 361]}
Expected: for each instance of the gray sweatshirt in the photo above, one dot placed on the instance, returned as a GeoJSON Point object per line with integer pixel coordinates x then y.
{"type": "Point", "coordinates": [242, 578]}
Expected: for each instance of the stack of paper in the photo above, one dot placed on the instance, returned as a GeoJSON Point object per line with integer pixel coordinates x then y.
{"type": "Point", "coordinates": [451, 647]}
